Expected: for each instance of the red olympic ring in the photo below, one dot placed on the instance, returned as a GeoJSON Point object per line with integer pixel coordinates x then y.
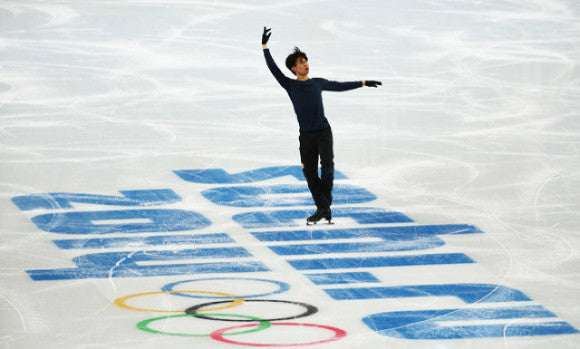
{"type": "Point", "coordinates": [338, 334]}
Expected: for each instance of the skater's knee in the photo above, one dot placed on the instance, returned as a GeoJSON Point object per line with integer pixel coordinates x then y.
{"type": "Point", "coordinates": [327, 170]}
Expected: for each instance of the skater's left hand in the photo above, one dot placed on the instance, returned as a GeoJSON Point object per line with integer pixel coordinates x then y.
{"type": "Point", "coordinates": [372, 83]}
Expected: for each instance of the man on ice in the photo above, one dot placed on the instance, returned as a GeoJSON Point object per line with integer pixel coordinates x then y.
{"type": "Point", "coordinates": [315, 132]}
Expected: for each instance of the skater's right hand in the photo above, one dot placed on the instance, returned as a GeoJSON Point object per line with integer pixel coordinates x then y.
{"type": "Point", "coordinates": [372, 83]}
{"type": "Point", "coordinates": [266, 36]}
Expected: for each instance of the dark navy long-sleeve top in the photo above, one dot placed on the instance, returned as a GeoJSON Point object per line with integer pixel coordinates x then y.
{"type": "Point", "coordinates": [306, 96]}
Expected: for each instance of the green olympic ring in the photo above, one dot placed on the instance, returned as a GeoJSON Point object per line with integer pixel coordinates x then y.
{"type": "Point", "coordinates": [144, 325]}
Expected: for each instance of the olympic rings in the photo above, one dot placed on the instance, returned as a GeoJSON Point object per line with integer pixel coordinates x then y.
{"type": "Point", "coordinates": [144, 325]}
{"type": "Point", "coordinates": [234, 300]}
{"type": "Point", "coordinates": [120, 302]}
{"type": "Point", "coordinates": [282, 287]}
{"type": "Point", "coordinates": [310, 309]}
{"type": "Point", "coordinates": [338, 334]}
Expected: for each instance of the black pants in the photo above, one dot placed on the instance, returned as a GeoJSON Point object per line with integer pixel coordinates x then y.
{"type": "Point", "coordinates": [315, 144]}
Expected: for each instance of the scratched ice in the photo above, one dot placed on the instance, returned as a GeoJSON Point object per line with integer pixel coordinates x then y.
{"type": "Point", "coordinates": [475, 128]}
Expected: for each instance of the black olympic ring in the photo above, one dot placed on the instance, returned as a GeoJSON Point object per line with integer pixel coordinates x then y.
{"type": "Point", "coordinates": [310, 309]}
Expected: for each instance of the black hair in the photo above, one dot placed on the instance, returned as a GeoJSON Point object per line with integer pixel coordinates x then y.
{"type": "Point", "coordinates": [293, 58]}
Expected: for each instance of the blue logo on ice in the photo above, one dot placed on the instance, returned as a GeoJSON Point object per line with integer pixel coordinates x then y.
{"type": "Point", "coordinates": [307, 251]}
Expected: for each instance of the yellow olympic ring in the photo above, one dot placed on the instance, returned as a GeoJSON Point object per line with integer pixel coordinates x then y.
{"type": "Point", "coordinates": [120, 302]}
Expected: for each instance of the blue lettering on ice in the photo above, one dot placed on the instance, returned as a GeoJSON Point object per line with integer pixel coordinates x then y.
{"type": "Point", "coordinates": [124, 264]}
{"type": "Point", "coordinates": [407, 238]}
{"type": "Point", "coordinates": [342, 278]}
{"type": "Point", "coordinates": [469, 293]}
{"type": "Point", "coordinates": [142, 241]}
{"type": "Point", "coordinates": [359, 247]}
{"type": "Point", "coordinates": [158, 220]}
{"type": "Point", "coordinates": [280, 218]}
{"type": "Point", "coordinates": [219, 176]}
{"type": "Point", "coordinates": [379, 262]}
{"type": "Point", "coordinates": [431, 324]}
{"type": "Point", "coordinates": [56, 201]}
{"type": "Point", "coordinates": [253, 196]}
{"type": "Point", "coordinates": [403, 233]}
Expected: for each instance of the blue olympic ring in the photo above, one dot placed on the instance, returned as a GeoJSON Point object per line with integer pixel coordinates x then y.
{"type": "Point", "coordinates": [282, 287]}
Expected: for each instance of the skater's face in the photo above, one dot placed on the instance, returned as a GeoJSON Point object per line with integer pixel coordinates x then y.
{"type": "Point", "coordinates": [301, 68]}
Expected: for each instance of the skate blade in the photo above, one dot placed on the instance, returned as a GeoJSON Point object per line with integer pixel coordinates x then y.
{"type": "Point", "coordinates": [314, 223]}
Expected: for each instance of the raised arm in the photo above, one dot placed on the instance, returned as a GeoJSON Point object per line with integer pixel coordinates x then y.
{"type": "Point", "coordinates": [282, 79]}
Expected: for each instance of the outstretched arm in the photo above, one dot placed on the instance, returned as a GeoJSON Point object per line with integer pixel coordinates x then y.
{"type": "Point", "coordinates": [329, 85]}
{"type": "Point", "coordinates": [350, 85]}
{"type": "Point", "coordinates": [280, 77]}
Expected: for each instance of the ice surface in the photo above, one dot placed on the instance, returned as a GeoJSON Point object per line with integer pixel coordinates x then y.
{"type": "Point", "coordinates": [476, 123]}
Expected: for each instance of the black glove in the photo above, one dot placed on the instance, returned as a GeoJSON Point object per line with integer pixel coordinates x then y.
{"type": "Point", "coordinates": [372, 83]}
{"type": "Point", "coordinates": [266, 36]}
